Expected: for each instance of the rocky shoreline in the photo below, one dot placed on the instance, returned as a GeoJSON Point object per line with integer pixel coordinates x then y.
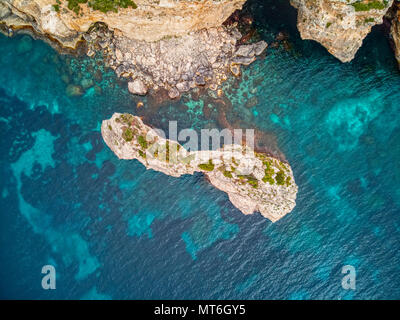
{"type": "Point", "coordinates": [253, 181]}
{"type": "Point", "coordinates": [139, 35]}
{"type": "Point", "coordinates": [204, 55]}
{"type": "Point", "coordinates": [148, 20]}
{"type": "Point", "coordinates": [203, 58]}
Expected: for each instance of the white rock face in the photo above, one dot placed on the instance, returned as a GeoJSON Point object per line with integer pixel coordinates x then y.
{"type": "Point", "coordinates": [51, 23]}
{"type": "Point", "coordinates": [41, 16]}
{"type": "Point", "coordinates": [253, 181]}
{"type": "Point", "coordinates": [339, 25]}
{"type": "Point", "coordinates": [200, 58]}
{"type": "Point", "coordinates": [395, 30]}
{"type": "Point", "coordinates": [137, 87]}
{"type": "Point", "coordinates": [151, 21]}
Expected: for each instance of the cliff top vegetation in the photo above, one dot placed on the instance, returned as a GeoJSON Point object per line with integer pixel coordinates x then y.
{"type": "Point", "coordinates": [101, 5]}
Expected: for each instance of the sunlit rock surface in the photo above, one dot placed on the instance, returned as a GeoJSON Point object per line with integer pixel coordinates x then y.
{"type": "Point", "coordinates": [339, 25]}
{"type": "Point", "coordinates": [253, 181]}
{"type": "Point", "coordinates": [151, 20]}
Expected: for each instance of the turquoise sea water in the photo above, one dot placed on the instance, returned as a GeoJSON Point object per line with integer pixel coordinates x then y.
{"type": "Point", "coordinates": [116, 231]}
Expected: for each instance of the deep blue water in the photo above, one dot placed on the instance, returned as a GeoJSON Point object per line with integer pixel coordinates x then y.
{"type": "Point", "coordinates": [114, 230]}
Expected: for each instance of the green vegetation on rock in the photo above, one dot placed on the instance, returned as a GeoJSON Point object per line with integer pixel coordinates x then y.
{"type": "Point", "coordinates": [288, 179]}
{"type": "Point", "coordinates": [207, 166]}
{"type": "Point", "coordinates": [251, 180]}
{"type": "Point", "coordinates": [167, 151]}
{"type": "Point", "coordinates": [142, 141]}
{"type": "Point", "coordinates": [268, 179]}
{"type": "Point", "coordinates": [101, 5]}
{"type": "Point", "coordinates": [57, 6]}
{"type": "Point", "coordinates": [127, 134]}
{"type": "Point", "coordinates": [142, 154]}
{"type": "Point", "coordinates": [280, 178]}
{"type": "Point", "coordinates": [126, 118]}
{"type": "Point", "coordinates": [111, 5]}
{"type": "Point", "coordinates": [227, 173]}
{"type": "Point", "coordinates": [268, 173]}
{"type": "Point", "coordinates": [366, 6]}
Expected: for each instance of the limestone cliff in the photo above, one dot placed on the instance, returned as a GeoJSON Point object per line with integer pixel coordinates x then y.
{"type": "Point", "coordinates": [253, 181]}
{"type": "Point", "coordinates": [395, 30]}
{"type": "Point", "coordinates": [171, 44]}
{"type": "Point", "coordinates": [151, 20]}
{"type": "Point", "coordinates": [339, 25]}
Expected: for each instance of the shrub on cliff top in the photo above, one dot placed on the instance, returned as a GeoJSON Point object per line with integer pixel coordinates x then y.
{"type": "Point", "coordinates": [227, 173]}
{"type": "Point", "coordinates": [207, 166]}
{"type": "Point", "coordinates": [101, 5]}
{"type": "Point", "coordinates": [127, 134]}
{"type": "Point", "coordinates": [268, 173]}
{"type": "Point", "coordinates": [142, 154]}
{"type": "Point", "coordinates": [142, 141]}
{"type": "Point", "coordinates": [280, 178]}
{"type": "Point", "coordinates": [111, 5]}
{"type": "Point", "coordinates": [251, 180]}
{"type": "Point", "coordinates": [376, 4]}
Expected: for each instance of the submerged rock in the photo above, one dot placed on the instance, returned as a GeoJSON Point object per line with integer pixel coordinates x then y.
{"type": "Point", "coordinates": [87, 83]}
{"type": "Point", "coordinates": [74, 90]}
{"type": "Point", "coordinates": [25, 45]}
{"type": "Point", "coordinates": [97, 90]}
{"type": "Point", "coordinates": [253, 101]}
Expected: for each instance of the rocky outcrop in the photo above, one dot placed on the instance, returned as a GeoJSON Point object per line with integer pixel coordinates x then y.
{"type": "Point", "coordinates": [176, 45]}
{"type": "Point", "coordinates": [41, 17]}
{"type": "Point", "coordinates": [253, 181]}
{"type": "Point", "coordinates": [137, 87]}
{"type": "Point", "coordinates": [339, 25]}
{"type": "Point", "coordinates": [203, 58]}
{"type": "Point", "coordinates": [395, 30]}
{"type": "Point", "coordinates": [152, 20]}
